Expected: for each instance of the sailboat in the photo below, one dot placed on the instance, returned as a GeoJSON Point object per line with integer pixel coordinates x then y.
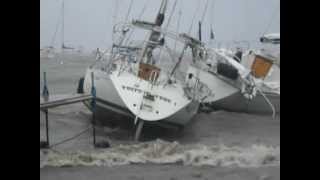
{"type": "Point", "coordinates": [134, 82]}
{"type": "Point", "coordinates": [237, 82]}
{"type": "Point", "coordinates": [47, 52]}
{"type": "Point", "coordinates": [64, 47]}
{"type": "Point", "coordinates": [51, 51]}
{"type": "Point", "coordinates": [264, 64]}
{"type": "Point", "coordinates": [218, 74]}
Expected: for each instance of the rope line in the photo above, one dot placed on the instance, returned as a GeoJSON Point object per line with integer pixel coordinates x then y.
{"type": "Point", "coordinates": [72, 138]}
{"type": "Point", "coordinates": [272, 17]}
{"type": "Point", "coordinates": [194, 16]}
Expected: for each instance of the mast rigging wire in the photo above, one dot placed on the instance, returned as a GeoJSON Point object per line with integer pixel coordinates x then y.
{"type": "Point", "coordinates": [205, 11]}
{"type": "Point", "coordinates": [129, 10]}
{"type": "Point", "coordinates": [115, 16]}
{"type": "Point", "coordinates": [171, 14]}
{"type": "Point", "coordinates": [55, 32]}
{"type": "Point", "coordinates": [194, 16]}
{"type": "Point", "coordinates": [167, 25]}
{"type": "Point", "coordinates": [139, 17]}
{"type": "Point", "coordinates": [178, 27]}
{"type": "Point", "coordinates": [272, 16]}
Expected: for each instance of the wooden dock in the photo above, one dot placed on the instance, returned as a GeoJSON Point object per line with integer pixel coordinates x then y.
{"type": "Point", "coordinates": [70, 99]}
{"type": "Point", "coordinates": [47, 102]}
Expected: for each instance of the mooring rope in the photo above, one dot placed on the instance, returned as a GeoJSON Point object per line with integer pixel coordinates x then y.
{"type": "Point", "coordinates": [71, 138]}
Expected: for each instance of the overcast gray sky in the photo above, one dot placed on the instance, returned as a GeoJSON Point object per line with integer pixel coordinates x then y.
{"type": "Point", "coordinates": [88, 23]}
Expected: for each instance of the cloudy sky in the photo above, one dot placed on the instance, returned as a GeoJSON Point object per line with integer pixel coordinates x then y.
{"type": "Point", "coordinates": [88, 23]}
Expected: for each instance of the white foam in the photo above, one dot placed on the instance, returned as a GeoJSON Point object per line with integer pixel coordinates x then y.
{"type": "Point", "coordinates": [162, 152]}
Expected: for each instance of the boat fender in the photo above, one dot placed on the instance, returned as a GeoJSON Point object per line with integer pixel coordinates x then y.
{"type": "Point", "coordinates": [248, 91]}
{"type": "Point", "coordinates": [80, 86]}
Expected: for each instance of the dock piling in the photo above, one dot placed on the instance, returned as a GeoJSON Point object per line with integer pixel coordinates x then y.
{"type": "Point", "coordinates": [45, 95]}
{"type": "Point", "coordinates": [45, 104]}
{"type": "Point", "coordinates": [93, 108]}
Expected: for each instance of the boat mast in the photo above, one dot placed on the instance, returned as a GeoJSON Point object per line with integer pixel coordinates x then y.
{"type": "Point", "coordinates": [63, 25]}
{"type": "Point", "coordinates": [178, 27]}
{"type": "Point", "coordinates": [154, 35]}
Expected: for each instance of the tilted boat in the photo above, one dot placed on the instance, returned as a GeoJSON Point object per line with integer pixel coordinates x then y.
{"type": "Point", "coordinates": [134, 82]}
{"type": "Point", "coordinates": [264, 64]}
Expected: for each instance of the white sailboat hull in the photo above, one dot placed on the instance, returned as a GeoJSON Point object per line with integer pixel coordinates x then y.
{"type": "Point", "coordinates": [111, 101]}
{"type": "Point", "coordinates": [218, 87]}
{"type": "Point", "coordinates": [258, 105]}
{"type": "Point", "coordinates": [237, 103]}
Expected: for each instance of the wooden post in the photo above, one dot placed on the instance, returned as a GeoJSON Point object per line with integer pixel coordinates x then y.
{"type": "Point", "coordinates": [45, 95]}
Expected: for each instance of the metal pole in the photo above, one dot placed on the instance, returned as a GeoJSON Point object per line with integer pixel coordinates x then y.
{"type": "Point", "coordinates": [47, 126]}
{"type": "Point", "coordinates": [62, 25]}
{"type": "Point", "coordinates": [93, 106]}
{"type": "Point", "coordinates": [94, 128]}
{"type": "Point", "coordinates": [45, 95]}
{"type": "Point", "coordinates": [138, 130]}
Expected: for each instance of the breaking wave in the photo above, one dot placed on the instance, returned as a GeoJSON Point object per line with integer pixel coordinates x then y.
{"type": "Point", "coordinates": [163, 152]}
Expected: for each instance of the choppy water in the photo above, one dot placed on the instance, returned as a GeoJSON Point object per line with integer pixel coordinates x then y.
{"type": "Point", "coordinates": [163, 152]}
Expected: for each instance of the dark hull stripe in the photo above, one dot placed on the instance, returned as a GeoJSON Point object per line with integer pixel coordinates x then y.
{"type": "Point", "coordinates": [126, 110]}
{"type": "Point", "coordinates": [107, 103]}
{"type": "Point", "coordinates": [128, 113]}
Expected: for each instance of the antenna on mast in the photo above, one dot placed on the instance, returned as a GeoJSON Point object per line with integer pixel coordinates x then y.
{"type": "Point", "coordinates": [212, 36]}
{"type": "Point", "coordinates": [200, 31]}
{"type": "Point", "coordinates": [161, 14]}
{"type": "Point", "coordinates": [62, 25]}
